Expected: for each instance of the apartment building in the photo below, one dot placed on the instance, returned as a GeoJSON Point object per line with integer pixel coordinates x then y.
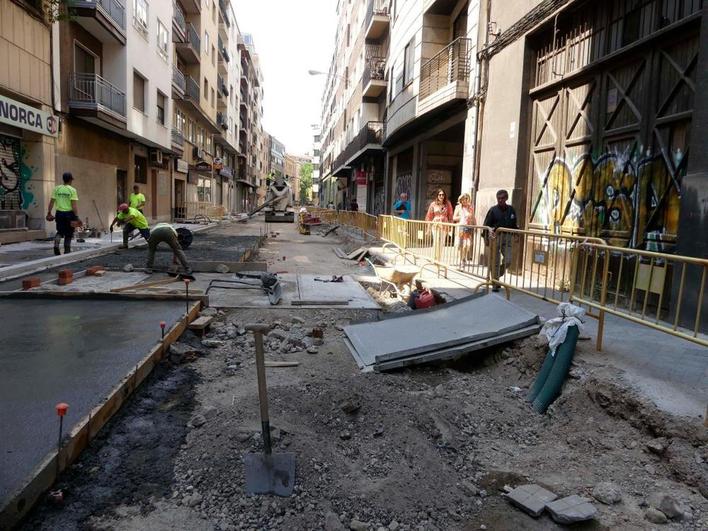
{"type": "Point", "coordinates": [277, 157]}
{"type": "Point", "coordinates": [28, 124]}
{"type": "Point", "coordinates": [396, 105]}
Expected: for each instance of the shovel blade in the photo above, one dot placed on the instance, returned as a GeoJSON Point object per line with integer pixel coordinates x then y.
{"type": "Point", "coordinates": [270, 474]}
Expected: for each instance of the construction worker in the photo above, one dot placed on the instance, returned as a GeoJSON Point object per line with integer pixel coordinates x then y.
{"type": "Point", "coordinates": [136, 199]}
{"type": "Point", "coordinates": [165, 233]}
{"type": "Point", "coordinates": [66, 200]}
{"type": "Point", "coordinates": [131, 219]}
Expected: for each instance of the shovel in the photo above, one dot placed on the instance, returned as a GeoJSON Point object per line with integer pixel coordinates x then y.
{"type": "Point", "coordinates": [267, 473]}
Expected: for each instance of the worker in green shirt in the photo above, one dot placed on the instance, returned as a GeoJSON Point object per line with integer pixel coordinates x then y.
{"type": "Point", "coordinates": [66, 200]}
{"type": "Point", "coordinates": [165, 233]}
{"type": "Point", "coordinates": [136, 199]}
{"type": "Point", "coordinates": [131, 219]}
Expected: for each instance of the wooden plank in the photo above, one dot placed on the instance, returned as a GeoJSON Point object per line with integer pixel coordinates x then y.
{"type": "Point", "coordinates": [44, 476]}
{"type": "Point", "coordinates": [201, 323]}
{"type": "Point", "coordinates": [143, 285]}
{"type": "Point", "coordinates": [319, 303]}
{"type": "Point", "coordinates": [234, 267]}
{"type": "Point", "coordinates": [282, 363]}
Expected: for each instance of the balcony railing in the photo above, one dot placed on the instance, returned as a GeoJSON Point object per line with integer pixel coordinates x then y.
{"type": "Point", "coordinates": [192, 89]}
{"type": "Point", "coordinates": [178, 18]}
{"type": "Point", "coordinates": [221, 120]}
{"type": "Point", "coordinates": [221, 85]}
{"type": "Point", "coordinates": [222, 50]}
{"type": "Point", "coordinates": [193, 38]}
{"type": "Point", "coordinates": [178, 79]}
{"type": "Point", "coordinates": [91, 91]}
{"type": "Point", "coordinates": [375, 8]}
{"type": "Point", "coordinates": [113, 9]}
{"type": "Point", "coordinates": [449, 65]}
{"type": "Point", "coordinates": [177, 138]}
{"type": "Point", "coordinates": [374, 65]}
{"type": "Point", "coordinates": [225, 13]}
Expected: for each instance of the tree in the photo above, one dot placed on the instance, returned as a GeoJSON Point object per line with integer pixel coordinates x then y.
{"type": "Point", "coordinates": [305, 181]}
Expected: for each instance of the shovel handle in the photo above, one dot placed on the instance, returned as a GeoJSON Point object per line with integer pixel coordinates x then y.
{"type": "Point", "coordinates": [258, 331]}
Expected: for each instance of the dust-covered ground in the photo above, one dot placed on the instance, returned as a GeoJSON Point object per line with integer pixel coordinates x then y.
{"type": "Point", "coordinates": [426, 448]}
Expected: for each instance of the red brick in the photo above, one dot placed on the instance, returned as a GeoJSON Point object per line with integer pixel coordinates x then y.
{"type": "Point", "coordinates": [31, 282]}
{"type": "Point", "coordinates": [91, 271]}
{"type": "Point", "coordinates": [66, 273]}
{"type": "Point", "coordinates": [64, 281]}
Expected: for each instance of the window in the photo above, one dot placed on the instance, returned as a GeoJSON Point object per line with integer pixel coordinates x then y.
{"type": "Point", "coordinates": [200, 137]}
{"type": "Point", "coordinates": [84, 61]}
{"type": "Point", "coordinates": [161, 108]}
{"type": "Point", "coordinates": [140, 16]}
{"type": "Point", "coordinates": [212, 98]}
{"type": "Point", "coordinates": [213, 55]}
{"type": "Point", "coordinates": [192, 132]}
{"type": "Point", "coordinates": [206, 41]}
{"type": "Point", "coordinates": [163, 37]}
{"type": "Point", "coordinates": [206, 89]}
{"type": "Point", "coordinates": [204, 189]}
{"type": "Point", "coordinates": [180, 121]}
{"type": "Point", "coordinates": [408, 58]}
{"type": "Point", "coordinates": [138, 92]}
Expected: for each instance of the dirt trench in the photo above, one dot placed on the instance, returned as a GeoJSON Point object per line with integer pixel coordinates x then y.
{"type": "Point", "coordinates": [424, 448]}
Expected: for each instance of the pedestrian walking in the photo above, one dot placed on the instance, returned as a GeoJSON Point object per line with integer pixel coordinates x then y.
{"type": "Point", "coordinates": [464, 217]}
{"type": "Point", "coordinates": [131, 219]}
{"type": "Point", "coordinates": [402, 206]}
{"type": "Point", "coordinates": [165, 233]}
{"type": "Point", "coordinates": [501, 215]}
{"type": "Point", "coordinates": [66, 200]}
{"type": "Point", "coordinates": [136, 199]}
{"type": "Point", "coordinates": [439, 212]}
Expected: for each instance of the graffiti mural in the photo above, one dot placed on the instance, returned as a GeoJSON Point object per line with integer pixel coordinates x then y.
{"type": "Point", "coordinates": [629, 200]}
{"type": "Point", "coordinates": [14, 176]}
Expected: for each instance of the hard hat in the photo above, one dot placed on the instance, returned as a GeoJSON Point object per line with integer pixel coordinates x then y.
{"type": "Point", "coordinates": [123, 207]}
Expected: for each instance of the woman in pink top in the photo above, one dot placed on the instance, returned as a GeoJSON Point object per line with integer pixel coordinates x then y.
{"type": "Point", "coordinates": [439, 211]}
{"type": "Point", "coordinates": [464, 217]}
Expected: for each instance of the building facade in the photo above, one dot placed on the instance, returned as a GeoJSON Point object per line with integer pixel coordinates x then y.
{"type": "Point", "coordinates": [316, 163]}
{"type": "Point", "coordinates": [28, 122]}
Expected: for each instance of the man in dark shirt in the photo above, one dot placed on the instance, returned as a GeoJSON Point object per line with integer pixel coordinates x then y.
{"type": "Point", "coordinates": [504, 216]}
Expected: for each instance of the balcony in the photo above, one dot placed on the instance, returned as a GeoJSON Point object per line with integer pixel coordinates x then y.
{"type": "Point", "coordinates": [221, 121]}
{"type": "Point", "coordinates": [97, 100]}
{"type": "Point", "coordinates": [374, 78]}
{"type": "Point", "coordinates": [377, 20]}
{"type": "Point", "coordinates": [224, 13]}
{"type": "Point", "coordinates": [222, 50]}
{"type": "Point", "coordinates": [445, 77]}
{"type": "Point", "coordinates": [369, 138]}
{"type": "Point", "coordinates": [190, 50]}
{"type": "Point", "coordinates": [179, 24]}
{"type": "Point", "coordinates": [192, 7]}
{"type": "Point", "coordinates": [177, 140]}
{"type": "Point", "coordinates": [179, 83]}
{"type": "Point", "coordinates": [221, 87]}
{"type": "Point", "coordinates": [104, 19]}
{"type": "Point", "coordinates": [191, 92]}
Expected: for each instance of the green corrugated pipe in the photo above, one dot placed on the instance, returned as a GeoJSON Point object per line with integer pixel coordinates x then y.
{"type": "Point", "coordinates": [553, 373]}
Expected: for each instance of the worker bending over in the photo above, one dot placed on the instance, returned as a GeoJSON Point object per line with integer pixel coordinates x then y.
{"type": "Point", "coordinates": [165, 233]}
{"type": "Point", "coordinates": [131, 219]}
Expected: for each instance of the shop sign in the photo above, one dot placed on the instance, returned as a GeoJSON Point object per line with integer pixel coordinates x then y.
{"type": "Point", "coordinates": [218, 163]}
{"type": "Point", "coordinates": [361, 178]}
{"type": "Point", "coordinates": [203, 166]}
{"type": "Point", "coordinates": [182, 166]}
{"type": "Point", "coordinates": [226, 172]}
{"type": "Point", "coordinates": [25, 117]}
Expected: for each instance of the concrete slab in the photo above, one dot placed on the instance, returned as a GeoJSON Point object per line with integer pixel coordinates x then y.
{"type": "Point", "coordinates": [467, 320]}
{"type": "Point", "coordinates": [72, 351]}
{"type": "Point", "coordinates": [531, 498]}
{"type": "Point", "coordinates": [571, 509]}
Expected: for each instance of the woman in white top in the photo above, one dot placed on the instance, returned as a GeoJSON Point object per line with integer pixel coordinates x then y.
{"type": "Point", "coordinates": [464, 217]}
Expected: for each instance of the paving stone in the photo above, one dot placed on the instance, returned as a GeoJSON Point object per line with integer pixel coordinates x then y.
{"type": "Point", "coordinates": [571, 509]}
{"type": "Point", "coordinates": [531, 498]}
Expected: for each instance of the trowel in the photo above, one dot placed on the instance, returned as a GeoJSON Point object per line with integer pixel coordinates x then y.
{"type": "Point", "coordinates": [267, 472]}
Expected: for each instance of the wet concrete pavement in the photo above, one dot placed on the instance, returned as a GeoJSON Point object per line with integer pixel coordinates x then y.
{"type": "Point", "coordinates": [72, 351]}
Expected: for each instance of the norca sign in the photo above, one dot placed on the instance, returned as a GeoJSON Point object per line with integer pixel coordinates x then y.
{"type": "Point", "coordinates": [25, 117]}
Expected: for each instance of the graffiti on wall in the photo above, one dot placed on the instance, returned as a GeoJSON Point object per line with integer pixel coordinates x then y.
{"type": "Point", "coordinates": [14, 176]}
{"type": "Point", "coordinates": [404, 184]}
{"type": "Point", "coordinates": [628, 199]}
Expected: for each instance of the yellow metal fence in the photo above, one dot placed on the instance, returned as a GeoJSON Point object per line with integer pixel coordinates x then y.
{"type": "Point", "coordinates": [648, 288]}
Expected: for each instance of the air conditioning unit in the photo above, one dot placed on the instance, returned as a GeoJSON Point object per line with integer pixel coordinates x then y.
{"type": "Point", "coordinates": [197, 153]}
{"type": "Point", "coordinates": [156, 156]}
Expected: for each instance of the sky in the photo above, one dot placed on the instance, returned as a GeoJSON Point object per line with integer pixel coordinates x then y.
{"type": "Point", "coordinates": [291, 37]}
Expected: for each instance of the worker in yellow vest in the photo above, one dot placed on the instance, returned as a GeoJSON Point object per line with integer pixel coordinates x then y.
{"type": "Point", "coordinates": [131, 219]}
{"type": "Point", "coordinates": [66, 200]}
{"type": "Point", "coordinates": [136, 199]}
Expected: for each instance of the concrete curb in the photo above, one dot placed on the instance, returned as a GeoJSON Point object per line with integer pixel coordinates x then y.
{"type": "Point", "coordinates": [42, 264]}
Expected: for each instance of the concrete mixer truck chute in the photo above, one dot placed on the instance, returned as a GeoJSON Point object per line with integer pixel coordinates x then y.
{"type": "Point", "coordinates": [278, 206]}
